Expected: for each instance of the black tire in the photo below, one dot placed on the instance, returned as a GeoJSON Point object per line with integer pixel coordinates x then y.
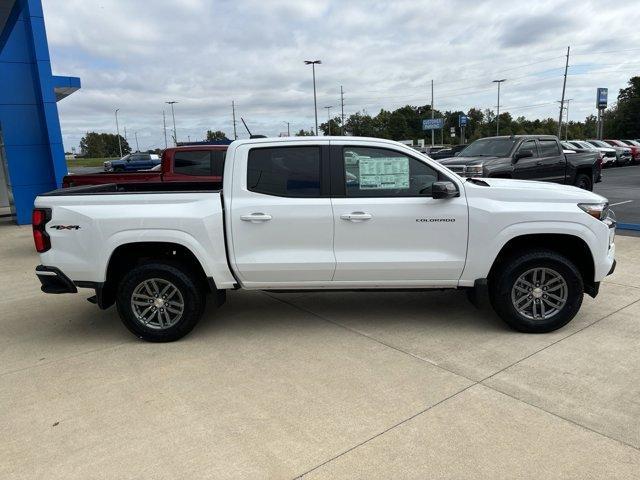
{"type": "Point", "coordinates": [509, 271]}
{"type": "Point", "coordinates": [583, 181]}
{"type": "Point", "coordinates": [190, 292]}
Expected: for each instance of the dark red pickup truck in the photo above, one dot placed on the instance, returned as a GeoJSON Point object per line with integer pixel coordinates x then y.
{"type": "Point", "coordinates": [200, 163]}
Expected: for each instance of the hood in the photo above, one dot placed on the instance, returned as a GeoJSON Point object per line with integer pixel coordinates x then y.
{"type": "Point", "coordinates": [526, 190]}
{"type": "Point", "coordinates": [460, 160]}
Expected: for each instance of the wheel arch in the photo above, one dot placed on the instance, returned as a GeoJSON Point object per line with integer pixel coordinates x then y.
{"type": "Point", "coordinates": [568, 245]}
{"type": "Point", "coordinates": [126, 256]}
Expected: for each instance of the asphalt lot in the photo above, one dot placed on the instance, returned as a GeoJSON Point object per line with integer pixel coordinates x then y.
{"type": "Point", "coordinates": [622, 187]}
{"type": "Point", "coordinates": [331, 385]}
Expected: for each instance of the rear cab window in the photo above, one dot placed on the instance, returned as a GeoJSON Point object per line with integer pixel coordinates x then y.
{"type": "Point", "coordinates": [548, 148]}
{"type": "Point", "coordinates": [199, 162]}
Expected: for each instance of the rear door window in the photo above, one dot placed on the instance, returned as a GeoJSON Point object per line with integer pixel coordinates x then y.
{"type": "Point", "coordinates": [549, 148]}
{"type": "Point", "coordinates": [284, 171]}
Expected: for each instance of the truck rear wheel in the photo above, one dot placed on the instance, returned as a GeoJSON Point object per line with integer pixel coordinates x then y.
{"type": "Point", "coordinates": [160, 302]}
{"type": "Point", "coordinates": [536, 292]}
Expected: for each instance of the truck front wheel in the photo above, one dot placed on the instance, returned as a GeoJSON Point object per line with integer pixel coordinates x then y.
{"type": "Point", "coordinates": [536, 292]}
{"type": "Point", "coordinates": [159, 302]}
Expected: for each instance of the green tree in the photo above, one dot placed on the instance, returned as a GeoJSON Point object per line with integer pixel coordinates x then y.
{"type": "Point", "coordinates": [623, 120]}
{"type": "Point", "coordinates": [335, 127]}
{"type": "Point", "coordinates": [217, 135]}
{"type": "Point", "coordinates": [305, 133]}
{"type": "Point", "coordinates": [103, 145]}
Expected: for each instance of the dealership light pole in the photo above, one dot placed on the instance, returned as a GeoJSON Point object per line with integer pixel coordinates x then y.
{"type": "Point", "coordinates": [329, 118]}
{"type": "Point", "coordinates": [164, 126]}
{"type": "Point", "coordinates": [118, 132]}
{"type": "Point", "coordinates": [173, 114]}
{"type": "Point", "coordinates": [288, 129]}
{"type": "Point", "coordinates": [498, 107]}
{"type": "Point", "coordinates": [313, 64]}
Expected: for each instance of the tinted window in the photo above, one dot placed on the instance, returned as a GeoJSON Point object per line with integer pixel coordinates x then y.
{"type": "Point", "coordinates": [217, 162]}
{"type": "Point", "coordinates": [192, 163]}
{"type": "Point", "coordinates": [378, 172]}
{"type": "Point", "coordinates": [529, 145]}
{"type": "Point", "coordinates": [549, 148]}
{"type": "Point", "coordinates": [285, 172]}
{"type": "Point", "coordinates": [489, 147]}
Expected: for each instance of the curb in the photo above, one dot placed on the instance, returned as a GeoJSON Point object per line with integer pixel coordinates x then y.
{"type": "Point", "coordinates": [629, 226]}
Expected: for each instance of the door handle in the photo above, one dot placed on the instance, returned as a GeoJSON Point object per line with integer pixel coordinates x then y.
{"type": "Point", "coordinates": [256, 217]}
{"type": "Point", "coordinates": [540, 163]}
{"type": "Point", "coordinates": [356, 216]}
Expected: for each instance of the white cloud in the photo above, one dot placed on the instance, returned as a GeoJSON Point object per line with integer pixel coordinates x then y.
{"type": "Point", "coordinates": [135, 55]}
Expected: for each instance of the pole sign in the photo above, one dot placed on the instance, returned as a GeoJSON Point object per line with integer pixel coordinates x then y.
{"type": "Point", "coordinates": [432, 123]}
{"type": "Point", "coordinates": [463, 120]}
{"type": "Point", "coordinates": [601, 97]}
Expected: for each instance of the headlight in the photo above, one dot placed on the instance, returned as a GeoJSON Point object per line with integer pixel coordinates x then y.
{"type": "Point", "coordinates": [596, 210]}
{"type": "Point", "coordinates": [474, 170]}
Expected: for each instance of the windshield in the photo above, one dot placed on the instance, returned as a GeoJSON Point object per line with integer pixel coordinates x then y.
{"type": "Point", "coordinates": [599, 143]}
{"type": "Point", "coordinates": [489, 147]}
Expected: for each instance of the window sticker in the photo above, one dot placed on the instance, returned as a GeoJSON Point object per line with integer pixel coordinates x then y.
{"type": "Point", "coordinates": [384, 173]}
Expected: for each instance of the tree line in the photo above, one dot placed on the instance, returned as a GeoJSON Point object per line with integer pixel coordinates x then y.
{"type": "Point", "coordinates": [621, 120]}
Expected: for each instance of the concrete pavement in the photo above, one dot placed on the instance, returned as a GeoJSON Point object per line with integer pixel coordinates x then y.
{"type": "Point", "coordinates": [320, 385]}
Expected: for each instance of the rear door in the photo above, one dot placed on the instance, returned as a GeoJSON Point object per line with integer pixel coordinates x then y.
{"type": "Point", "coordinates": [280, 215]}
{"type": "Point", "coordinates": [389, 231]}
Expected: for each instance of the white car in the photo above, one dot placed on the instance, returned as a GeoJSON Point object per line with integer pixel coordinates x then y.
{"type": "Point", "coordinates": [608, 154]}
{"type": "Point", "coordinates": [324, 213]}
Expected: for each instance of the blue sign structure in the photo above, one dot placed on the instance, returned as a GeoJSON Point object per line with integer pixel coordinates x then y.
{"type": "Point", "coordinates": [432, 123]}
{"type": "Point", "coordinates": [463, 120]}
{"type": "Point", "coordinates": [31, 148]}
{"type": "Point", "coordinates": [601, 98]}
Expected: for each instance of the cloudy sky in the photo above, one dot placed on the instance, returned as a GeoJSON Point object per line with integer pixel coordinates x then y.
{"type": "Point", "coordinates": [135, 55]}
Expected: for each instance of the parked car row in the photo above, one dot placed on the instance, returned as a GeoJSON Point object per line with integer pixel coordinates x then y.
{"type": "Point", "coordinates": [527, 157]}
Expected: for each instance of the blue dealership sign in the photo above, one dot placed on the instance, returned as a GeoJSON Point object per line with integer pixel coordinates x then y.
{"type": "Point", "coordinates": [463, 120]}
{"type": "Point", "coordinates": [601, 98]}
{"type": "Point", "coordinates": [432, 123]}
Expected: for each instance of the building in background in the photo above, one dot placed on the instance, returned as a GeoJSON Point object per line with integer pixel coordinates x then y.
{"type": "Point", "coordinates": [31, 152]}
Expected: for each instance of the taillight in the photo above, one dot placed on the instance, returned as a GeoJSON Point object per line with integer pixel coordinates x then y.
{"type": "Point", "coordinates": [39, 219]}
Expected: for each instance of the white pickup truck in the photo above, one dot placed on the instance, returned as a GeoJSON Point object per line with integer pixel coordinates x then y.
{"type": "Point", "coordinates": [324, 213]}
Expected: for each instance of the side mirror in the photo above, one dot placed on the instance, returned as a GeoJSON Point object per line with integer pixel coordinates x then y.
{"type": "Point", "coordinates": [523, 154]}
{"type": "Point", "coordinates": [444, 189]}
{"type": "Point", "coordinates": [456, 154]}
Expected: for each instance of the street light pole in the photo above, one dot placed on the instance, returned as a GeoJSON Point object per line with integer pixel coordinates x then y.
{"type": "Point", "coordinates": [498, 107]}
{"type": "Point", "coordinates": [118, 132]}
{"type": "Point", "coordinates": [137, 146]}
{"type": "Point", "coordinates": [288, 129]}
{"type": "Point", "coordinates": [313, 64]}
{"type": "Point", "coordinates": [164, 126]}
{"type": "Point", "coordinates": [173, 114]}
{"type": "Point", "coordinates": [329, 118]}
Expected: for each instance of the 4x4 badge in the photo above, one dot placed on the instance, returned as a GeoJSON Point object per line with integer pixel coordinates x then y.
{"type": "Point", "coordinates": [66, 227]}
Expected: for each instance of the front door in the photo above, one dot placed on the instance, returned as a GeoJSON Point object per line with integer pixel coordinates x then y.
{"type": "Point", "coordinates": [389, 231]}
{"type": "Point", "coordinates": [529, 168]}
{"type": "Point", "coordinates": [281, 216]}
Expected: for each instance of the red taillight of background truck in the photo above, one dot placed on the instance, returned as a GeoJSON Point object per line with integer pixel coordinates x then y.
{"type": "Point", "coordinates": [39, 219]}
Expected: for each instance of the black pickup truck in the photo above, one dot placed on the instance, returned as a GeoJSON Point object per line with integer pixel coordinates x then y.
{"type": "Point", "coordinates": [526, 157]}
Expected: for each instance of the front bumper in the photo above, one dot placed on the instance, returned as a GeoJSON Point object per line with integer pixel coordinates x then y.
{"type": "Point", "coordinates": [54, 281]}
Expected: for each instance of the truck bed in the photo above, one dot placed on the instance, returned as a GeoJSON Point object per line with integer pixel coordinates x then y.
{"type": "Point", "coordinates": [136, 187]}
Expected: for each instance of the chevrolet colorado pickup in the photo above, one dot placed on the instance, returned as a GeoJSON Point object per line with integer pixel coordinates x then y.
{"type": "Point", "coordinates": [202, 163]}
{"type": "Point", "coordinates": [324, 213]}
{"type": "Point", "coordinates": [527, 157]}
